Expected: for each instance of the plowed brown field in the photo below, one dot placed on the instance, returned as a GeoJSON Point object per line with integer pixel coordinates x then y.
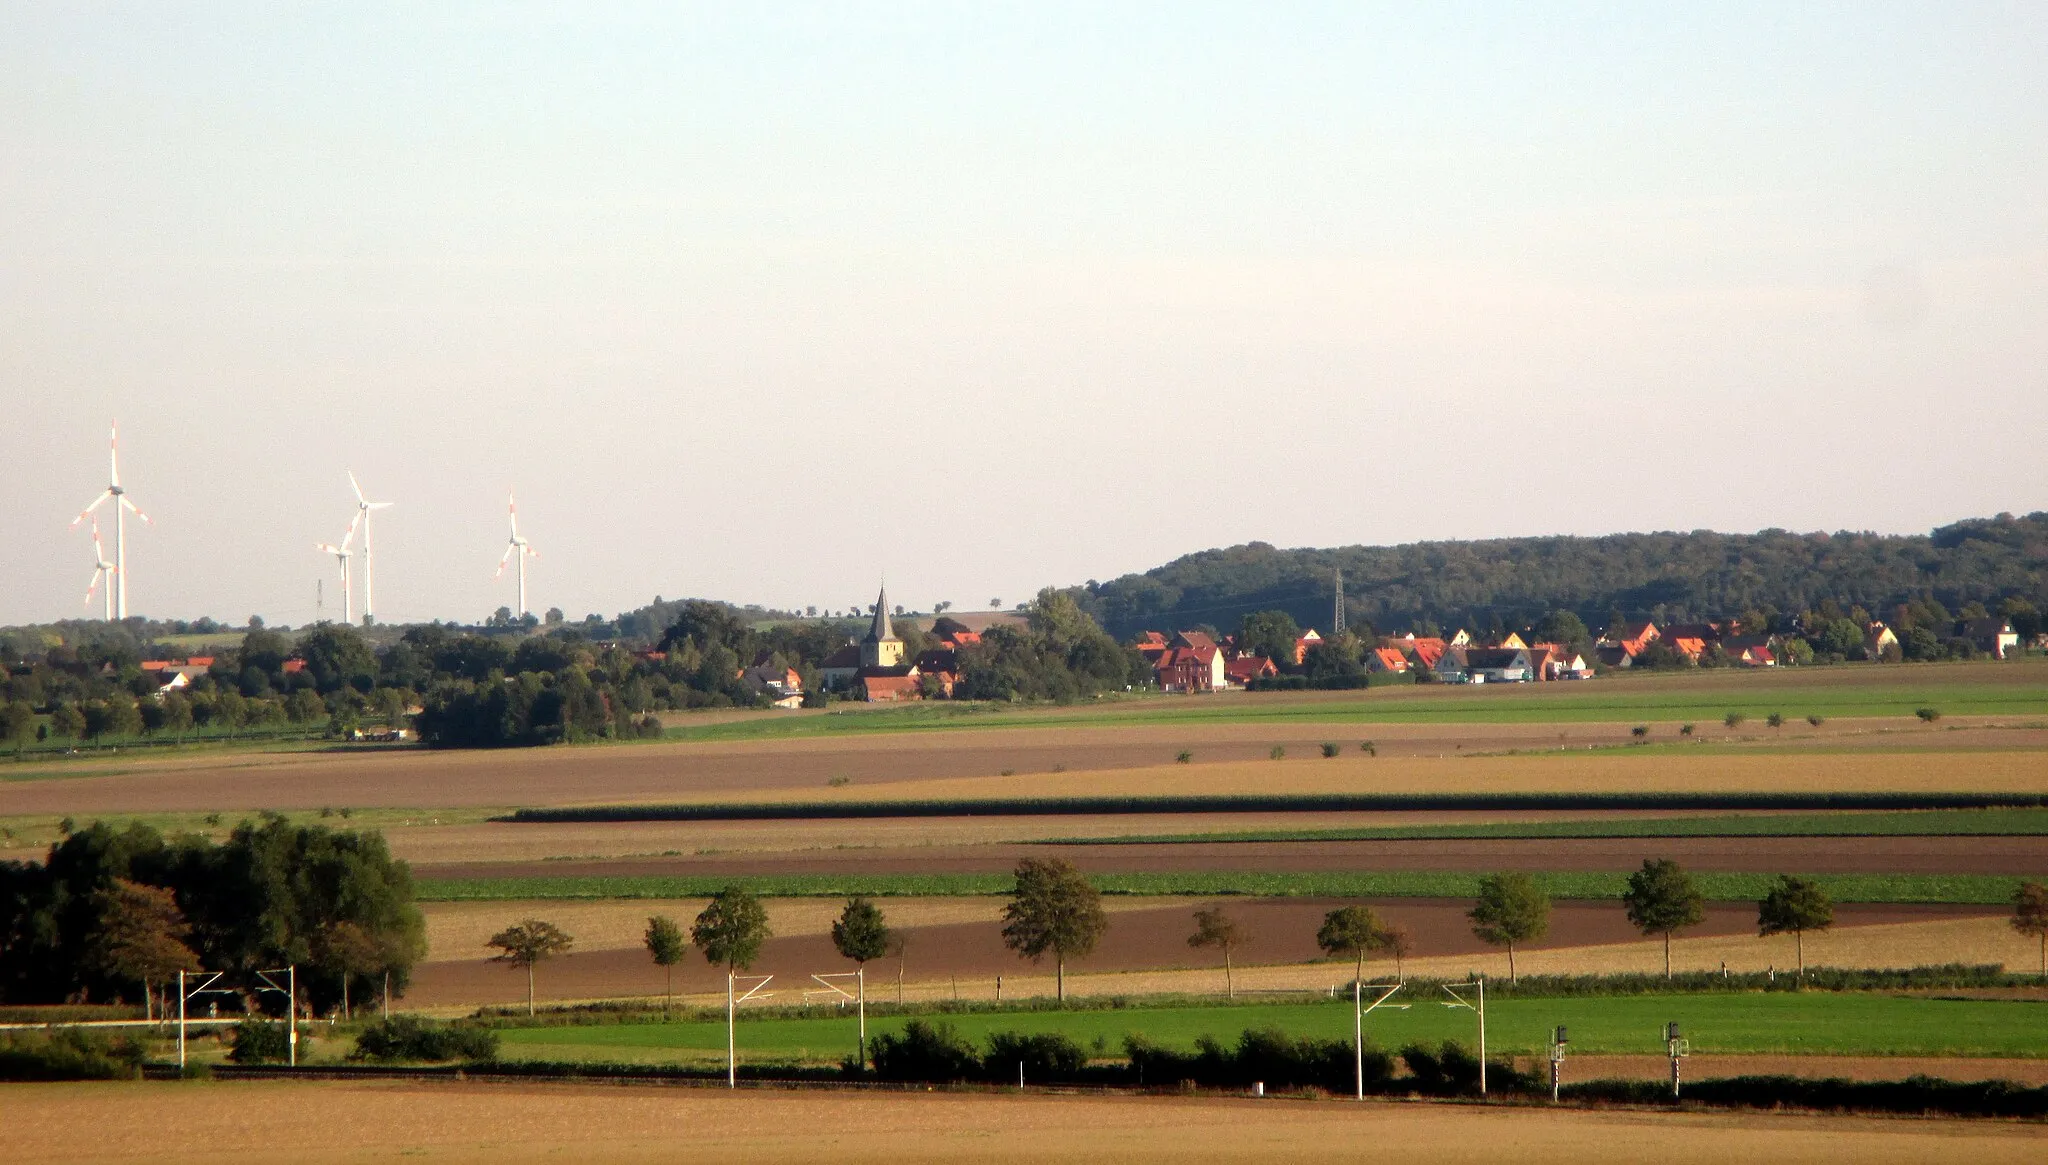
{"type": "Point", "coordinates": [501, 1123]}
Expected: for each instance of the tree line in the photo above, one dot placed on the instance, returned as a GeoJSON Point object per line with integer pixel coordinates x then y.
{"type": "Point", "coordinates": [1054, 910]}
{"type": "Point", "coordinates": [116, 914]}
{"type": "Point", "coordinates": [1665, 577]}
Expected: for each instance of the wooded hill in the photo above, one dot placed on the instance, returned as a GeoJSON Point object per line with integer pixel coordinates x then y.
{"type": "Point", "coordinates": [1511, 582]}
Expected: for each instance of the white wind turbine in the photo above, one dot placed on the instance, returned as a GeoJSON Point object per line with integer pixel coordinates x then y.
{"type": "Point", "coordinates": [341, 554]}
{"type": "Point", "coordinates": [103, 572]}
{"type": "Point", "coordinates": [118, 583]}
{"type": "Point", "coordinates": [519, 546]}
{"type": "Point", "coordinates": [363, 508]}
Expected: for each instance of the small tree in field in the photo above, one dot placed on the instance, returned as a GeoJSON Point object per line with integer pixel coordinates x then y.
{"type": "Point", "coordinates": [666, 945]}
{"type": "Point", "coordinates": [527, 944]}
{"type": "Point", "coordinates": [2030, 916]}
{"type": "Point", "coordinates": [1354, 931]}
{"type": "Point", "coordinates": [1661, 898]}
{"type": "Point", "coordinates": [1053, 908]}
{"type": "Point", "coordinates": [1214, 928]}
{"type": "Point", "coordinates": [861, 934]}
{"type": "Point", "coordinates": [1794, 905]}
{"type": "Point", "coordinates": [1511, 909]}
{"type": "Point", "coordinates": [1398, 942]}
{"type": "Point", "coordinates": [730, 930]}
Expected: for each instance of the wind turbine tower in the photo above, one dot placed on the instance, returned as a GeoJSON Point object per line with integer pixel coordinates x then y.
{"type": "Point", "coordinates": [341, 554]}
{"type": "Point", "coordinates": [516, 546]}
{"type": "Point", "coordinates": [103, 572]}
{"type": "Point", "coordinates": [118, 584]}
{"type": "Point", "coordinates": [363, 508]}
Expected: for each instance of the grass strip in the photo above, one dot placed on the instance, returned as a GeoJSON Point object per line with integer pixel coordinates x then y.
{"type": "Point", "coordinates": [1912, 823]}
{"type": "Point", "coordinates": [1953, 889]}
{"type": "Point", "coordinates": [1277, 803]}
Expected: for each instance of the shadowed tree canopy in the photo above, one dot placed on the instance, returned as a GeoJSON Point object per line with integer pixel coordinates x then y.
{"type": "Point", "coordinates": [141, 936]}
{"type": "Point", "coordinates": [2030, 916]}
{"type": "Point", "coordinates": [860, 933]}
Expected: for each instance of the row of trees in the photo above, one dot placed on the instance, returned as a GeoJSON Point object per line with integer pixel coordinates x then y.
{"type": "Point", "coordinates": [115, 913]}
{"type": "Point", "coordinates": [1055, 910]}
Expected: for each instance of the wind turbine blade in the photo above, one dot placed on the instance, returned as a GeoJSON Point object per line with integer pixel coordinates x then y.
{"type": "Point", "coordinates": [377, 505]}
{"type": "Point", "coordinates": [96, 504]}
{"type": "Point", "coordinates": [528, 550]}
{"type": "Point", "coordinates": [93, 587]}
{"type": "Point", "coordinates": [502, 560]}
{"type": "Point", "coordinates": [352, 485]}
{"type": "Point", "coordinates": [134, 509]}
{"type": "Point", "coordinates": [351, 535]}
{"type": "Point", "coordinates": [512, 511]}
{"type": "Point", "coordinates": [114, 454]}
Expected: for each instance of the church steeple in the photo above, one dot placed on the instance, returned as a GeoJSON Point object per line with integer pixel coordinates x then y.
{"type": "Point", "coordinates": [881, 648]}
{"type": "Point", "coordinates": [881, 629]}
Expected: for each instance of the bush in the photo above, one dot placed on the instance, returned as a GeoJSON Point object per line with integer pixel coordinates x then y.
{"type": "Point", "coordinates": [933, 1052]}
{"type": "Point", "coordinates": [260, 1041]}
{"type": "Point", "coordinates": [1930, 715]}
{"type": "Point", "coordinates": [68, 1054]}
{"type": "Point", "coordinates": [1915, 1094]}
{"type": "Point", "coordinates": [1450, 1069]}
{"type": "Point", "coordinates": [408, 1037]}
{"type": "Point", "coordinates": [1046, 1056]}
{"type": "Point", "coordinates": [1268, 1056]}
{"type": "Point", "coordinates": [1329, 750]}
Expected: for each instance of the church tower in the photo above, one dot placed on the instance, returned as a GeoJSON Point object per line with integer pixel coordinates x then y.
{"type": "Point", "coordinates": [881, 648]}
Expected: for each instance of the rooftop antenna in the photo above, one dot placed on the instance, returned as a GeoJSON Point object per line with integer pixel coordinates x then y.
{"type": "Point", "coordinates": [341, 554]}
{"type": "Point", "coordinates": [519, 546]}
{"type": "Point", "coordinates": [118, 584]}
{"type": "Point", "coordinates": [1337, 616]}
{"type": "Point", "coordinates": [363, 508]}
{"type": "Point", "coordinates": [103, 571]}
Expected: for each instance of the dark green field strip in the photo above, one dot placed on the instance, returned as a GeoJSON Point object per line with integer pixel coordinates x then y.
{"type": "Point", "coordinates": [1918, 823]}
{"type": "Point", "coordinates": [1957, 889]}
{"type": "Point", "coordinates": [1279, 803]}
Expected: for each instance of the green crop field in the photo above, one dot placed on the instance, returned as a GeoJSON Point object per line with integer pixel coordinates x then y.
{"type": "Point", "coordinates": [1814, 1023]}
{"type": "Point", "coordinates": [1961, 889]}
{"type": "Point", "coordinates": [2019, 688]}
{"type": "Point", "coordinates": [1918, 823]}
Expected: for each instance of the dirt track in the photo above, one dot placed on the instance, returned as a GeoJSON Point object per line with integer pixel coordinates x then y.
{"type": "Point", "coordinates": [1281, 930]}
{"type": "Point", "coordinates": [499, 1123]}
{"type": "Point", "coordinates": [1804, 855]}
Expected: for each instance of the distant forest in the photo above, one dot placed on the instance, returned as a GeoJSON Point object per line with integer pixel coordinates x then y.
{"type": "Point", "coordinates": [1513, 582]}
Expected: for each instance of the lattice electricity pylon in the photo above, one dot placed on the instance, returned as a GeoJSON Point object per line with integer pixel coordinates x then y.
{"type": "Point", "coordinates": [1337, 615]}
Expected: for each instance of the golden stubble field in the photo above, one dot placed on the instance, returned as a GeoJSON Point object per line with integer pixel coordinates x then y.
{"type": "Point", "coordinates": [503, 1123]}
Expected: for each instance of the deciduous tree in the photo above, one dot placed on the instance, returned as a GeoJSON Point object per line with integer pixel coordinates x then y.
{"type": "Point", "coordinates": [1053, 908]}
{"type": "Point", "coordinates": [141, 936]}
{"type": "Point", "coordinates": [1214, 928]}
{"type": "Point", "coordinates": [1354, 931]}
{"type": "Point", "coordinates": [529, 943]}
{"type": "Point", "coordinates": [1795, 905]}
{"type": "Point", "coordinates": [731, 928]}
{"type": "Point", "coordinates": [2030, 916]}
{"type": "Point", "coordinates": [666, 945]}
{"type": "Point", "coordinates": [1511, 909]}
{"type": "Point", "coordinates": [1661, 899]}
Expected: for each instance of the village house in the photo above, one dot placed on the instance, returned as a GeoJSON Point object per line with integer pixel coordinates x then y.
{"type": "Point", "coordinates": [1241, 671]}
{"type": "Point", "coordinates": [1993, 637]}
{"type": "Point", "coordinates": [1880, 642]}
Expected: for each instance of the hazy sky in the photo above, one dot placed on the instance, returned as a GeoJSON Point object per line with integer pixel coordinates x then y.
{"type": "Point", "coordinates": [762, 303]}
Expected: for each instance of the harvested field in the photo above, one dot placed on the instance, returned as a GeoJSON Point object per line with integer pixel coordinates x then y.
{"type": "Point", "coordinates": [1146, 952]}
{"type": "Point", "coordinates": [1804, 855]}
{"type": "Point", "coordinates": [499, 1123]}
{"type": "Point", "coordinates": [1066, 761]}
